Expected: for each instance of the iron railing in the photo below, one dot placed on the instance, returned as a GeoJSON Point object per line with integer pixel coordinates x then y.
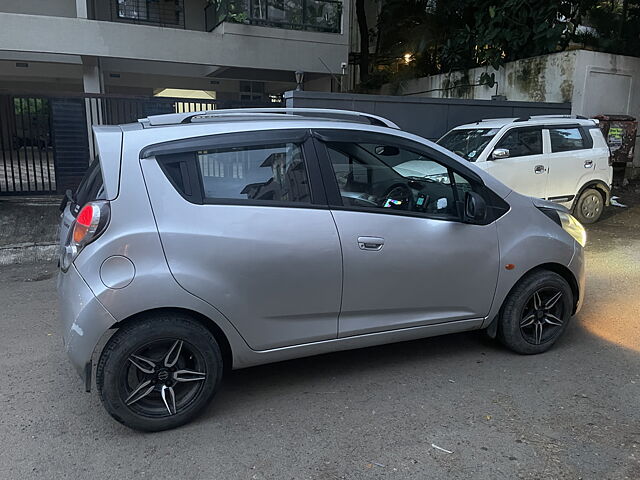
{"type": "Point", "coordinates": [162, 13]}
{"type": "Point", "coordinates": [309, 15]}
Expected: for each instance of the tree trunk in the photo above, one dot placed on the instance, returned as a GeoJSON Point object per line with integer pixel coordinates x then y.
{"type": "Point", "coordinates": [364, 40]}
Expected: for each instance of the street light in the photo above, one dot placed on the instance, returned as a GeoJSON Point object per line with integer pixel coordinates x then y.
{"type": "Point", "coordinates": [299, 80]}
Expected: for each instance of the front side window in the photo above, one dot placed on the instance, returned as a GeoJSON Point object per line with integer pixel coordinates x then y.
{"type": "Point", "coordinates": [566, 139]}
{"type": "Point", "coordinates": [273, 173]}
{"type": "Point", "coordinates": [468, 143]}
{"type": "Point", "coordinates": [389, 178]}
{"type": "Point", "coordinates": [522, 142]}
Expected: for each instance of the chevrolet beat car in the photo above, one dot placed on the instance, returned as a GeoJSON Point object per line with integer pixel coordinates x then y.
{"type": "Point", "coordinates": [200, 242]}
{"type": "Point", "coordinates": [561, 158]}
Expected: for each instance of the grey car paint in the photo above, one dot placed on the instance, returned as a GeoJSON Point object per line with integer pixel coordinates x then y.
{"type": "Point", "coordinates": [89, 308]}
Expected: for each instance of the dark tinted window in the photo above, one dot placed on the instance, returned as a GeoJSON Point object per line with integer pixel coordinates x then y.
{"type": "Point", "coordinates": [522, 142]}
{"type": "Point", "coordinates": [566, 139]}
{"type": "Point", "coordinates": [91, 186]}
{"type": "Point", "coordinates": [384, 177]}
{"type": "Point", "coordinates": [265, 172]}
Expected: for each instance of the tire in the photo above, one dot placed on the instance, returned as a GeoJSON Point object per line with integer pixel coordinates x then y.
{"type": "Point", "coordinates": [518, 324]}
{"type": "Point", "coordinates": [589, 206]}
{"type": "Point", "coordinates": [178, 357]}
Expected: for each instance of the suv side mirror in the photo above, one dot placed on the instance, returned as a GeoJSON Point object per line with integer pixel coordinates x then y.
{"type": "Point", "coordinates": [475, 208]}
{"type": "Point", "coordinates": [499, 153]}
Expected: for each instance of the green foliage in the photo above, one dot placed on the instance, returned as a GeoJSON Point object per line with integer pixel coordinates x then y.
{"type": "Point", "coordinates": [445, 35]}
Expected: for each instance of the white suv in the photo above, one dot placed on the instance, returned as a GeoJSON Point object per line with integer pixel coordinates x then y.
{"type": "Point", "coordinates": [557, 157]}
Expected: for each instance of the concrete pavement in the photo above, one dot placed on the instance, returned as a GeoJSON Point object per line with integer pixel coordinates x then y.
{"type": "Point", "coordinates": [571, 413]}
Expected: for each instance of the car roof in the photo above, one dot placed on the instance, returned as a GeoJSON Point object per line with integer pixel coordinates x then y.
{"type": "Point", "coordinates": [532, 120]}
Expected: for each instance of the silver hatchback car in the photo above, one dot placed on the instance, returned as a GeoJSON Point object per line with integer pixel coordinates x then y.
{"type": "Point", "coordinates": [200, 242]}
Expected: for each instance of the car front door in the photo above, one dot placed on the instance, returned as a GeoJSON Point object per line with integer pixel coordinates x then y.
{"type": "Point", "coordinates": [408, 259]}
{"type": "Point", "coordinates": [245, 226]}
{"type": "Point", "coordinates": [523, 166]}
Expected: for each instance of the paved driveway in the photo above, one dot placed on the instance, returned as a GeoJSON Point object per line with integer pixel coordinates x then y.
{"type": "Point", "coordinates": [571, 413]}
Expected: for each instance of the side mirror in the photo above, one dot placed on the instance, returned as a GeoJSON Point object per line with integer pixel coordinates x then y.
{"type": "Point", "coordinates": [475, 208]}
{"type": "Point", "coordinates": [499, 153]}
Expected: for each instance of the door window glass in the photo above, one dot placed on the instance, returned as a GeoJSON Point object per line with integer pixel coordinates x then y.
{"type": "Point", "coordinates": [265, 172]}
{"type": "Point", "coordinates": [566, 139]}
{"type": "Point", "coordinates": [522, 142]}
{"type": "Point", "coordinates": [390, 178]}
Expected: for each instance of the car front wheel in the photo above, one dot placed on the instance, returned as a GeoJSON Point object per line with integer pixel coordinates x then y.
{"type": "Point", "coordinates": [536, 313]}
{"type": "Point", "coordinates": [159, 372]}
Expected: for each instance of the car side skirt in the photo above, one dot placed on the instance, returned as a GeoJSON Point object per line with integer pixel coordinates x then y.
{"type": "Point", "coordinates": [245, 359]}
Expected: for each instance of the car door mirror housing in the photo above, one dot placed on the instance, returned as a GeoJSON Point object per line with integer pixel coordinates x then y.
{"type": "Point", "coordinates": [499, 153]}
{"type": "Point", "coordinates": [475, 207]}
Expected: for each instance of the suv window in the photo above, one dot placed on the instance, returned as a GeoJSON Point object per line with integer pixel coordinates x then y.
{"type": "Point", "coordinates": [522, 142]}
{"type": "Point", "coordinates": [274, 172]}
{"type": "Point", "coordinates": [566, 139]}
{"type": "Point", "coordinates": [388, 178]}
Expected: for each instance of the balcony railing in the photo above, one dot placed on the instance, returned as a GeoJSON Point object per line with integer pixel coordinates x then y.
{"type": "Point", "coordinates": [309, 15]}
{"type": "Point", "coordinates": [161, 13]}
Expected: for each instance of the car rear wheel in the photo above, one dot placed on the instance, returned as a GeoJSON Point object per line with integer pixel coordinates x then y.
{"type": "Point", "coordinates": [589, 206]}
{"type": "Point", "coordinates": [159, 372]}
{"type": "Point", "coordinates": [536, 313]}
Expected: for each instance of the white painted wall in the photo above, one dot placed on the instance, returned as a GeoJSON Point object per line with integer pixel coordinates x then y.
{"type": "Point", "coordinates": [595, 83]}
{"type": "Point", "coordinates": [56, 8]}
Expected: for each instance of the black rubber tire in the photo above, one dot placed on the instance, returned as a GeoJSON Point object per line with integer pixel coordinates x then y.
{"type": "Point", "coordinates": [128, 339]}
{"type": "Point", "coordinates": [509, 332]}
{"type": "Point", "coordinates": [577, 209]}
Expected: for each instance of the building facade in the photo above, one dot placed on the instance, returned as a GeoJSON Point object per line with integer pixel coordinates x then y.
{"type": "Point", "coordinates": [228, 49]}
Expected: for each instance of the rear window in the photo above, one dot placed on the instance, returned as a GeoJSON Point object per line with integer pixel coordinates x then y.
{"type": "Point", "coordinates": [566, 139]}
{"type": "Point", "coordinates": [91, 187]}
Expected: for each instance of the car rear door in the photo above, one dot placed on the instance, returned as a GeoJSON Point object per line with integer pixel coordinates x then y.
{"type": "Point", "coordinates": [572, 161]}
{"type": "Point", "coordinates": [407, 261]}
{"type": "Point", "coordinates": [525, 169]}
{"type": "Point", "coordinates": [245, 226]}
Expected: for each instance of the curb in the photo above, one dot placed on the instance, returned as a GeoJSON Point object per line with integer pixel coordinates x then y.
{"type": "Point", "coordinates": [28, 253]}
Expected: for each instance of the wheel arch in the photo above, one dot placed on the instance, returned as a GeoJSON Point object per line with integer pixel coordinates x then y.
{"type": "Point", "coordinates": [599, 185]}
{"type": "Point", "coordinates": [558, 268]}
{"type": "Point", "coordinates": [208, 323]}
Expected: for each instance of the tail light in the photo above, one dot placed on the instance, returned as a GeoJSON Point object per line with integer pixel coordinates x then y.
{"type": "Point", "coordinates": [91, 222]}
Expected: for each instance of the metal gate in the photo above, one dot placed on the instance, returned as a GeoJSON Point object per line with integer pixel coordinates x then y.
{"type": "Point", "coordinates": [47, 142]}
{"type": "Point", "coordinates": [27, 161]}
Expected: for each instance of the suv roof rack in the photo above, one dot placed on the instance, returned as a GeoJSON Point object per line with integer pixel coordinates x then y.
{"type": "Point", "coordinates": [262, 114]}
{"type": "Point", "coordinates": [535, 117]}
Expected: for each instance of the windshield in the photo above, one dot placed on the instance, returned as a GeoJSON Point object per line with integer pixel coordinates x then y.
{"type": "Point", "coordinates": [468, 143]}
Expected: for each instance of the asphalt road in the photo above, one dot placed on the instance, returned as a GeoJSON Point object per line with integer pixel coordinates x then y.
{"type": "Point", "coordinates": [571, 413]}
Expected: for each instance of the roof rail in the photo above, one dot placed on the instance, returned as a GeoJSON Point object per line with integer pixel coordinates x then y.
{"type": "Point", "coordinates": [534, 117]}
{"type": "Point", "coordinates": [262, 113]}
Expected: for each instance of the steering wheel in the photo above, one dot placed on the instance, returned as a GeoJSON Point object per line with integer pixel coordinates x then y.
{"type": "Point", "coordinates": [398, 197]}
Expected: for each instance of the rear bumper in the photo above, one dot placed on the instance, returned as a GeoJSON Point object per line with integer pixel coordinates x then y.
{"type": "Point", "coordinates": [83, 321]}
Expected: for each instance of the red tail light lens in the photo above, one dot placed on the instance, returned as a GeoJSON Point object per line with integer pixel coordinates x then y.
{"type": "Point", "coordinates": [91, 222]}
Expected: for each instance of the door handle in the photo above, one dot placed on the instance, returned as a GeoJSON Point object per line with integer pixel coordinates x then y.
{"type": "Point", "coordinates": [588, 163]}
{"type": "Point", "coordinates": [370, 243]}
{"type": "Point", "coordinates": [539, 169]}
